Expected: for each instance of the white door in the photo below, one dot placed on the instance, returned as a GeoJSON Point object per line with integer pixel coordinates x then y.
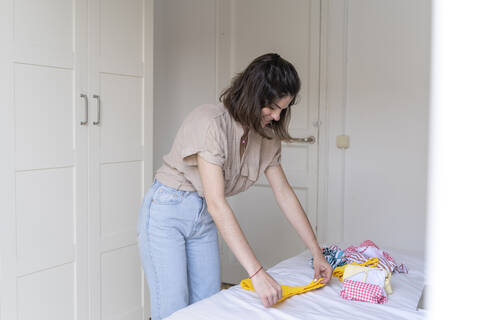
{"type": "Point", "coordinates": [389, 82]}
{"type": "Point", "coordinates": [247, 29]}
{"type": "Point", "coordinates": [120, 45]}
{"type": "Point", "coordinates": [380, 98]}
{"type": "Point", "coordinates": [44, 214]}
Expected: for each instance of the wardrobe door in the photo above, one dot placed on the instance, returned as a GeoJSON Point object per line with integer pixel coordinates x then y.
{"type": "Point", "coordinates": [120, 165]}
{"type": "Point", "coordinates": [44, 214]}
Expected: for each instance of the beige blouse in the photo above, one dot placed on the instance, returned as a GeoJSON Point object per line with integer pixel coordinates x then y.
{"type": "Point", "coordinates": [211, 132]}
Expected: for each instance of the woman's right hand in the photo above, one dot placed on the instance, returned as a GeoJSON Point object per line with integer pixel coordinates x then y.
{"type": "Point", "coordinates": [267, 288]}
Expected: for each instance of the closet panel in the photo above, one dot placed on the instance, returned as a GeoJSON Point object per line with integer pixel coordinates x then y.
{"type": "Point", "coordinates": [44, 117]}
{"type": "Point", "coordinates": [120, 204]}
{"type": "Point", "coordinates": [58, 304]}
{"type": "Point", "coordinates": [121, 37]}
{"type": "Point", "coordinates": [44, 32]}
{"type": "Point", "coordinates": [45, 219]}
{"type": "Point", "coordinates": [121, 127]}
{"type": "Point", "coordinates": [121, 284]}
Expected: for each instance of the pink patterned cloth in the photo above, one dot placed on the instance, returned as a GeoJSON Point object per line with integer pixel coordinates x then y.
{"type": "Point", "coordinates": [368, 249]}
{"type": "Point", "coordinates": [361, 291]}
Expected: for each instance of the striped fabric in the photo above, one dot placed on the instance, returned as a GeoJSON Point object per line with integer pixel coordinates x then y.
{"type": "Point", "coordinates": [368, 249]}
{"type": "Point", "coordinates": [334, 256]}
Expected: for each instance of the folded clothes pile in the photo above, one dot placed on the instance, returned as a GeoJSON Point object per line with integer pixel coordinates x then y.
{"type": "Point", "coordinates": [364, 270]}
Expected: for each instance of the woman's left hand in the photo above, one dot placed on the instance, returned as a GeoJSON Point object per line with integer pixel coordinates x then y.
{"type": "Point", "coordinates": [322, 268]}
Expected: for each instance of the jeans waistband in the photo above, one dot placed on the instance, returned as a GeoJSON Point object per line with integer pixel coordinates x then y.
{"type": "Point", "coordinates": [171, 190]}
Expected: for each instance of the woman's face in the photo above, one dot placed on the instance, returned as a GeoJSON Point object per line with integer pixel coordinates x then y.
{"type": "Point", "coordinates": [272, 112]}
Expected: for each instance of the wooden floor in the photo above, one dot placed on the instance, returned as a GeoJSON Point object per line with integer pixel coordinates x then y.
{"type": "Point", "coordinates": [226, 285]}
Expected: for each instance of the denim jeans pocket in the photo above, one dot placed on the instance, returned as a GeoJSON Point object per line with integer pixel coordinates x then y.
{"type": "Point", "coordinates": [169, 196]}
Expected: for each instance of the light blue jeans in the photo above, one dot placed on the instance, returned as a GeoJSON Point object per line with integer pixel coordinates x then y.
{"type": "Point", "coordinates": [178, 246]}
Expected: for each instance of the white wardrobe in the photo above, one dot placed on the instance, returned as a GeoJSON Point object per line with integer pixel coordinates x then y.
{"type": "Point", "coordinates": [76, 100]}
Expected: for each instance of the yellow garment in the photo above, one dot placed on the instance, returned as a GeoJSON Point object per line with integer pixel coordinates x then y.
{"type": "Point", "coordinates": [287, 291]}
{"type": "Point", "coordinates": [338, 271]}
{"type": "Point", "coordinates": [352, 269]}
{"type": "Point", "coordinates": [388, 284]}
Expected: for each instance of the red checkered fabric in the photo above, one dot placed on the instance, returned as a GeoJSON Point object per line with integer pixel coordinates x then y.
{"type": "Point", "coordinates": [361, 291]}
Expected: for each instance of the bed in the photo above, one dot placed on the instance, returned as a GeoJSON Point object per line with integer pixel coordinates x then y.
{"type": "Point", "coordinates": [323, 303]}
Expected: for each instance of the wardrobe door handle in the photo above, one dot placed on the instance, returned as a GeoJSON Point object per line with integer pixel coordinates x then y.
{"type": "Point", "coordinates": [85, 99]}
{"type": "Point", "coordinates": [96, 96]}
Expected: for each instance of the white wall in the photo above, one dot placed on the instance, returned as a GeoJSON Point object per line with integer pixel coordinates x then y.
{"type": "Point", "coordinates": [385, 113]}
{"type": "Point", "coordinates": [184, 65]}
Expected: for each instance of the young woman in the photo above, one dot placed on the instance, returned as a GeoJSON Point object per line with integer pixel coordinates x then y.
{"type": "Point", "coordinates": [219, 151]}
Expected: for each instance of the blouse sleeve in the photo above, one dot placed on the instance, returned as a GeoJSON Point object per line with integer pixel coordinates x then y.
{"type": "Point", "coordinates": [204, 139]}
{"type": "Point", "coordinates": [277, 154]}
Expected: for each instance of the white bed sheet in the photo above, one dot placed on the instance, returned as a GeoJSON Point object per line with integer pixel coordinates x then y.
{"type": "Point", "coordinates": [323, 303]}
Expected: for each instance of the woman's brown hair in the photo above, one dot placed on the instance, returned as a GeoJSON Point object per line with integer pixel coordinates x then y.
{"type": "Point", "coordinates": [265, 80]}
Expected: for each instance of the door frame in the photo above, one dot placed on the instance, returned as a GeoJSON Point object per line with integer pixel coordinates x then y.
{"type": "Point", "coordinates": [333, 88]}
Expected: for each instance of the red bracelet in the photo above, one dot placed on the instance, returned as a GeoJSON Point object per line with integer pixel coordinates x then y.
{"type": "Point", "coordinates": [255, 272]}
